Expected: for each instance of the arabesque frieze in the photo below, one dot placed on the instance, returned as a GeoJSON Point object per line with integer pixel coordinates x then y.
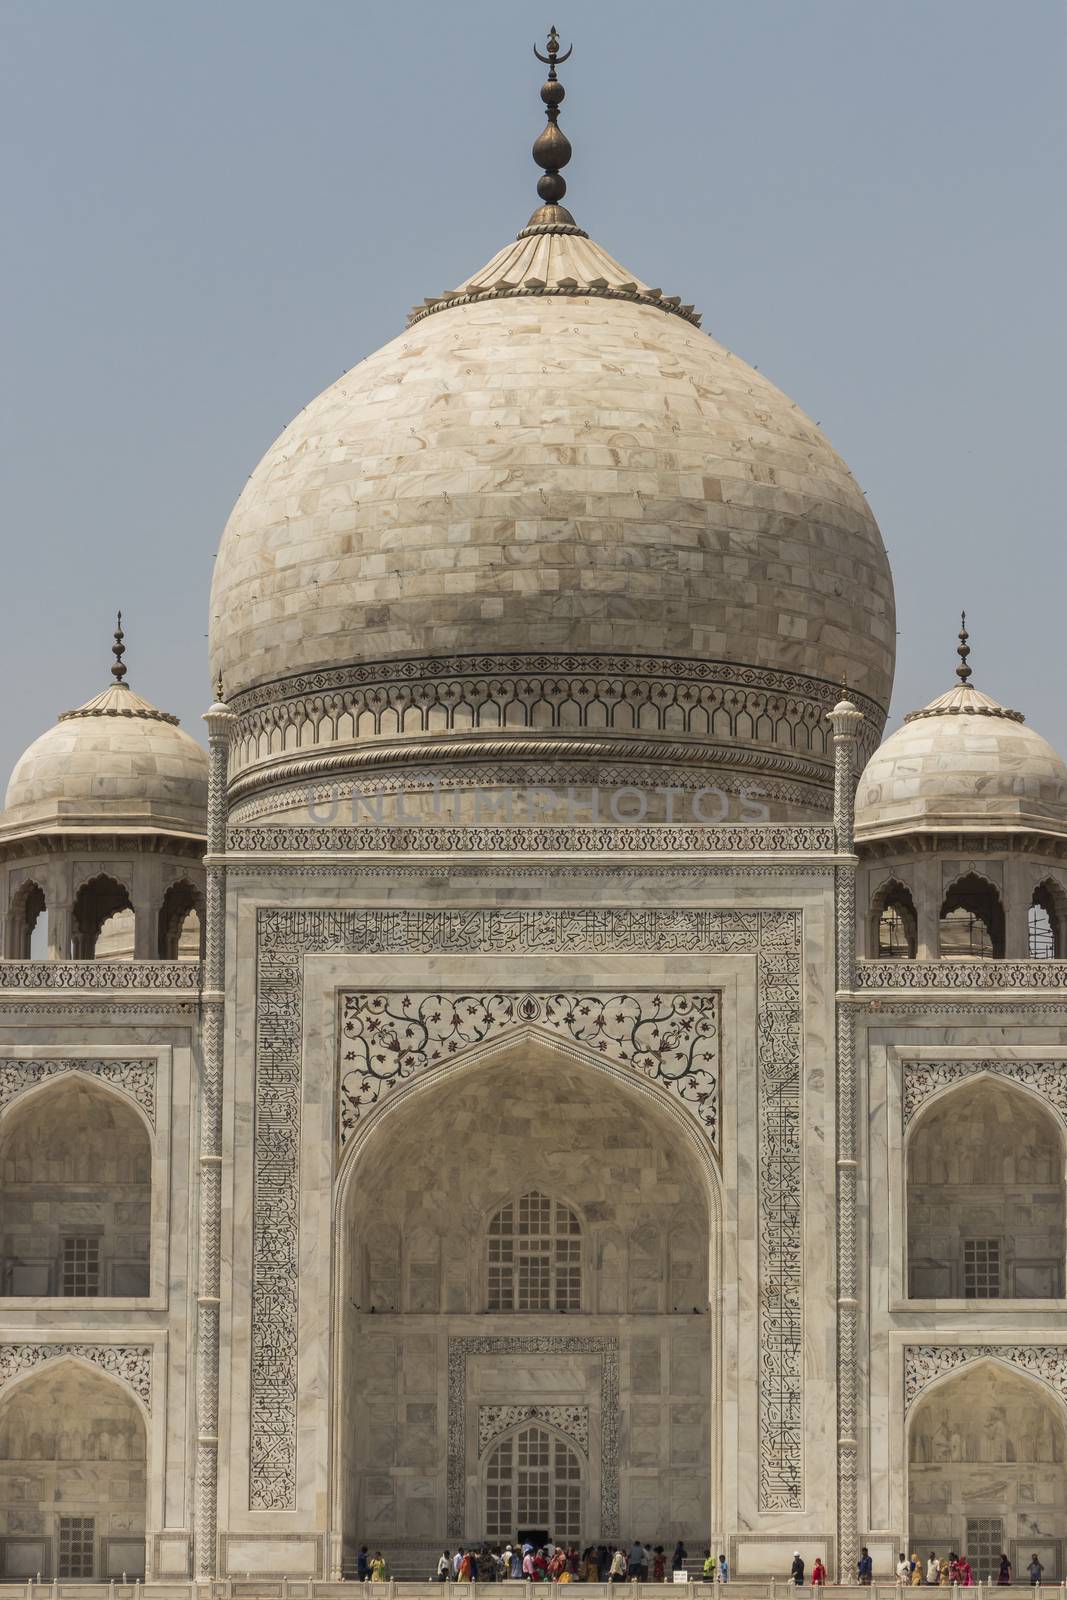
{"type": "Point", "coordinates": [181, 976]}
{"type": "Point", "coordinates": [923, 1363]}
{"type": "Point", "coordinates": [131, 1363]}
{"type": "Point", "coordinates": [669, 1037]}
{"type": "Point", "coordinates": [136, 1077]}
{"type": "Point", "coordinates": [739, 839]}
{"type": "Point", "coordinates": [948, 974]}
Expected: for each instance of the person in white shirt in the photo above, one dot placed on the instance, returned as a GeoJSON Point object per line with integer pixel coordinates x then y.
{"type": "Point", "coordinates": [904, 1569]}
{"type": "Point", "coordinates": [933, 1570]}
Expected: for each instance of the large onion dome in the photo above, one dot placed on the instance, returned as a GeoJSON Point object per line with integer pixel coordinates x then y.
{"type": "Point", "coordinates": [551, 533]}
{"type": "Point", "coordinates": [963, 764]}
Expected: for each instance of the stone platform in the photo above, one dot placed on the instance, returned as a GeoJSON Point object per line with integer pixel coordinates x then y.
{"type": "Point", "coordinates": [301, 1589]}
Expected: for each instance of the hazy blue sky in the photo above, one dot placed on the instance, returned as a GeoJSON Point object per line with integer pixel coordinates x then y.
{"type": "Point", "coordinates": [212, 209]}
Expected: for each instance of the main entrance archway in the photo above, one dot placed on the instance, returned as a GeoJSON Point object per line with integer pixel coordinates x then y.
{"type": "Point", "coordinates": [524, 1255]}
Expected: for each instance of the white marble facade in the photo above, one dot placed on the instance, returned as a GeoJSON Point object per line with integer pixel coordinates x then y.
{"type": "Point", "coordinates": [564, 1079]}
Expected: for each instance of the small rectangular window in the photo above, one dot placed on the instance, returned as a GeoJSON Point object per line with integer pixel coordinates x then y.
{"type": "Point", "coordinates": [981, 1269]}
{"type": "Point", "coordinates": [81, 1266]}
{"type": "Point", "coordinates": [77, 1537]}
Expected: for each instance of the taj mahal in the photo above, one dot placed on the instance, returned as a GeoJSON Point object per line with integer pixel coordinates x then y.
{"type": "Point", "coordinates": [548, 1063]}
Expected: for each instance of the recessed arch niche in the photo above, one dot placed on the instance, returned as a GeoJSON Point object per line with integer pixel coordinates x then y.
{"type": "Point", "coordinates": [416, 1201]}
{"type": "Point", "coordinates": [987, 1448]}
{"type": "Point", "coordinates": [73, 1450]}
{"type": "Point", "coordinates": [986, 1204]}
{"type": "Point", "coordinates": [75, 1193]}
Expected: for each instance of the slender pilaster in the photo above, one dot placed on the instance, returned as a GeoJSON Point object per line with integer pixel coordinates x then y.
{"type": "Point", "coordinates": [205, 1511]}
{"type": "Point", "coordinates": [845, 720]}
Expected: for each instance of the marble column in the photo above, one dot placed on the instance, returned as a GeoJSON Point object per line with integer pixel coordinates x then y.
{"type": "Point", "coordinates": [928, 907]}
{"type": "Point", "coordinates": [205, 1510]}
{"type": "Point", "coordinates": [845, 720]}
{"type": "Point", "coordinates": [1016, 911]}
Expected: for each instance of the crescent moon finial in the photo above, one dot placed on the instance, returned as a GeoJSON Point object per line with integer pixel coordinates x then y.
{"type": "Point", "coordinates": [552, 148]}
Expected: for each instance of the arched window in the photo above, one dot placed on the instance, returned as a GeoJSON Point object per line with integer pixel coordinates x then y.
{"type": "Point", "coordinates": [533, 1482]}
{"type": "Point", "coordinates": [98, 901]}
{"type": "Point", "coordinates": [27, 922]}
{"type": "Point", "coordinates": [972, 921]}
{"type": "Point", "coordinates": [893, 925]}
{"type": "Point", "coordinates": [181, 923]}
{"type": "Point", "coordinates": [1046, 922]}
{"type": "Point", "coordinates": [535, 1256]}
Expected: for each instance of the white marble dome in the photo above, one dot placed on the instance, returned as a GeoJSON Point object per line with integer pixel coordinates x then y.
{"type": "Point", "coordinates": [552, 473]}
{"type": "Point", "coordinates": [116, 763]}
{"type": "Point", "coordinates": [963, 763]}
{"type": "Point", "coordinates": [553, 470]}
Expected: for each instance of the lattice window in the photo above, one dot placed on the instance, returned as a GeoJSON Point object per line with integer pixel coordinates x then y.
{"type": "Point", "coordinates": [533, 1480]}
{"type": "Point", "coordinates": [535, 1256]}
{"type": "Point", "coordinates": [981, 1269]}
{"type": "Point", "coordinates": [81, 1266]}
{"type": "Point", "coordinates": [499, 1492]}
{"type": "Point", "coordinates": [77, 1537]}
{"type": "Point", "coordinates": [985, 1541]}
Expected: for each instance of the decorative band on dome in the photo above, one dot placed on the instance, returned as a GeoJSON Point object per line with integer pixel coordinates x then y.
{"type": "Point", "coordinates": [965, 711]}
{"type": "Point", "coordinates": [149, 715]}
{"type": "Point", "coordinates": [119, 700]}
{"type": "Point", "coordinates": [533, 229]}
{"type": "Point", "coordinates": [575, 291]}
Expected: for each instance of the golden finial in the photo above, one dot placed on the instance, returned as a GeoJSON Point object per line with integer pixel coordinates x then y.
{"type": "Point", "coordinates": [218, 687]}
{"type": "Point", "coordinates": [118, 650]}
{"type": "Point", "coordinates": [963, 650]}
{"type": "Point", "coordinates": [552, 148]}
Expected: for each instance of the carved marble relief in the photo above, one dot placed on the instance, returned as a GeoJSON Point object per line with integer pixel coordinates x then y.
{"type": "Point", "coordinates": [286, 936]}
{"type": "Point", "coordinates": [571, 1421]}
{"type": "Point", "coordinates": [669, 1037]}
{"type": "Point", "coordinates": [130, 1362]}
{"type": "Point", "coordinates": [922, 1079]}
{"type": "Point", "coordinates": [925, 1362]}
{"type": "Point", "coordinates": [137, 1078]}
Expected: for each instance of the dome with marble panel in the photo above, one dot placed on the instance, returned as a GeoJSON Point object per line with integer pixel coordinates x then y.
{"type": "Point", "coordinates": [964, 763]}
{"type": "Point", "coordinates": [116, 763]}
{"type": "Point", "coordinates": [551, 520]}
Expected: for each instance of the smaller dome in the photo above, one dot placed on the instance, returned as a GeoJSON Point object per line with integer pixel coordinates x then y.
{"type": "Point", "coordinates": [963, 763]}
{"type": "Point", "coordinates": [116, 764]}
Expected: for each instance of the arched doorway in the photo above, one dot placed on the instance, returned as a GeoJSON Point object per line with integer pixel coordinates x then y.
{"type": "Point", "coordinates": [73, 1484]}
{"type": "Point", "coordinates": [27, 924]}
{"type": "Point", "coordinates": [501, 1314]}
{"type": "Point", "coordinates": [971, 926]}
{"type": "Point", "coordinates": [892, 929]}
{"type": "Point", "coordinates": [986, 1454]}
{"type": "Point", "coordinates": [986, 1203]}
{"type": "Point", "coordinates": [103, 921]}
{"type": "Point", "coordinates": [181, 923]}
{"type": "Point", "coordinates": [75, 1194]}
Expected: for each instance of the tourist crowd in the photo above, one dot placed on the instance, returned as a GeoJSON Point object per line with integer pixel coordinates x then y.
{"type": "Point", "coordinates": [554, 1563]}
{"type": "Point", "coordinates": [936, 1572]}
